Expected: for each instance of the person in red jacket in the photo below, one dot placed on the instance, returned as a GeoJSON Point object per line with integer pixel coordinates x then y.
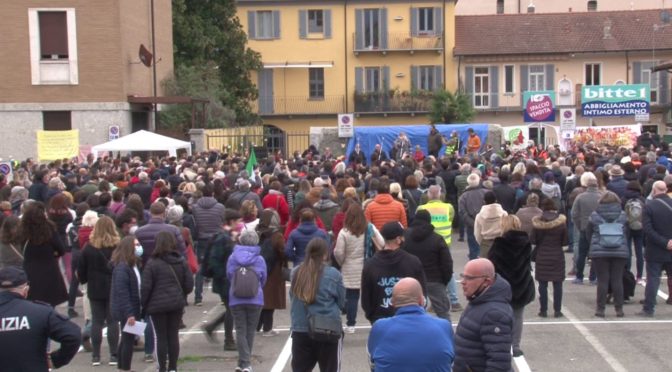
{"type": "Point", "coordinates": [275, 200]}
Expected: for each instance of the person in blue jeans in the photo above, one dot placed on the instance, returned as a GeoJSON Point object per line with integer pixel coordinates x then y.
{"type": "Point", "coordinates": [584, 205]}
{"type": "Point", "coordinates": [469, 205]}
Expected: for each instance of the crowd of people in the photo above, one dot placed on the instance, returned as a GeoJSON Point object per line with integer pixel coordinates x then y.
{"type": "Point", "coordinates": [135, 237]}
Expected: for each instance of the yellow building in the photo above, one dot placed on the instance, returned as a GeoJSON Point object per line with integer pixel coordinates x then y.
{"type": "Point", "coordinates": [377, 59]}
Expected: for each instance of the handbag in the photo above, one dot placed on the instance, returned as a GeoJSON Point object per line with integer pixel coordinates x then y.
{"type": "Point", "coordinates": [192, 260]}
{"type": "Point", "coordinates": [323, 328]}
{"type": "Point", "coordinates": [184, 296]}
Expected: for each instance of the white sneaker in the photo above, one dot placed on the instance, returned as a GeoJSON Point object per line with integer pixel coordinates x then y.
{"type": "Point", "coordinates": [350, 330]}
{"type": "Point", "coordinates": [270, 333]}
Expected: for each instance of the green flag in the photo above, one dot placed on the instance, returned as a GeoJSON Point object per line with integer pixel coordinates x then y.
{"type": "Point", "coordinates": [251, 162]}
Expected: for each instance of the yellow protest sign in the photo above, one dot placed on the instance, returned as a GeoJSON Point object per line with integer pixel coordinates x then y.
{"type": "Point", "coordinates": [57, 144]}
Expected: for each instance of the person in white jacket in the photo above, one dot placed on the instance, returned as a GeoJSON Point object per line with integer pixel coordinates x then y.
{"type": "Point", "coordinates": [488, 222]}
{"type": "Point", "coordinates": [349, 252]}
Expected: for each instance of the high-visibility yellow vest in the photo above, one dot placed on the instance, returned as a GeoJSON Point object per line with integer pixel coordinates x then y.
{"type": "Point", "coordinates": [442, 218]}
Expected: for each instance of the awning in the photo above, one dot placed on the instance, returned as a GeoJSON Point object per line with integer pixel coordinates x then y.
{"type": "Point", "coordinates": [310, 64]}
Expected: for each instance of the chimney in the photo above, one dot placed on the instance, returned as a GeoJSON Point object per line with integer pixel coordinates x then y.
{"type": "Point", "coordinates": [570, 10]}
{"type": "Point", "coordinates": [607, 29]}
{"type": "Point", "coordinates": [531, 8]}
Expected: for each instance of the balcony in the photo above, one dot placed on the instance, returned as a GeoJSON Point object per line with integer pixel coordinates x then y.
{"type": "Point", "coordinates": [298, 105]}
{"type": "Point", "coordinates": [393, 102]}
{"type": "Point", "coordinates": [397, 42]}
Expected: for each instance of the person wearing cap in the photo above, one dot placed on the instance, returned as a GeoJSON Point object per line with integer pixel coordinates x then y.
{"type": "Point", "coordinates": [400, 343]}
{"type": "Point", "coordinates": [658, 250]}
{"type": "Point", "coordinates": [246, 311]}
{"type": "Point", "coordinates": [26, 328]}
{"type": "Point", "coordinates": [382, 271]}
{"type": "Point", "coordinates": [617, 183]}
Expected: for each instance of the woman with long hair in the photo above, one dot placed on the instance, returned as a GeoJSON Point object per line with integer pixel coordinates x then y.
{"type": "Point", "coordinates": [511, 254]}
{"type": "Point", "coordinates": [134, 202]}
{"type": "Point", "coordinates": [249, 212]}
{"type": "Point", "coordinates": [316, 288]}
{"type": "Point", "coordinates": [59, 213]}
{"type": "Point", "coordinates": [10, 246]}
{"type": "Point", "coordinates": [273, 251]}
{"type": "Point", "coordinates": [94, 270]}
{"type": "Point", "coordinates": [125, 294]}
{"type": "Point", "coordinates": [349, 253]}
{"type": "Point", "coordinates": [41, 249]}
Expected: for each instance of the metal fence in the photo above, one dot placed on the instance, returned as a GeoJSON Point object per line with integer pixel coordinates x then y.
{"type": "Point", "coordinates": [269, 139]}
{"type": "Point", "coordinates": [399, 41]}
{"type": "Point", "coordinates": [382, 102]}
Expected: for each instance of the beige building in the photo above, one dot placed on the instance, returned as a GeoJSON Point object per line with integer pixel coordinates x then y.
{"type": "Point", "coordinates": [482, 7]}
{"type": "Point", "coordinates": [502, 56]}
{"type": "Point", "coordinates": [74, 64]}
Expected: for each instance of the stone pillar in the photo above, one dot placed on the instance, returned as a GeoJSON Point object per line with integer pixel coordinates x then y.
{"type": "Point", "coordinates": [199, 139]}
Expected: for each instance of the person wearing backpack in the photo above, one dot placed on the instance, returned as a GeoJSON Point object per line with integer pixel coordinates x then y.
{"type": "Point", "coordinates": [606, 230]}
{"type": "Point", "coordinates": [634, 210]}
{"type": "Point", "coordinates": [216, 255]}
{"type": "Point", "coordinates": [246, 271]}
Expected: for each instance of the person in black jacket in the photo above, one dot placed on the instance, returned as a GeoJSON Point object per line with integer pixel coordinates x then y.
{"type": "Point", "coordinates": [357, 157]}
{"type": "Point", "coordinates": [166, 281]}
{"type": "Point", "coordinates": [432, 251]}
{"type": "Point", "coordinates": [506, 195]}
{"type": "Point", "coordinates": [143, 189]}
{"type": "Point", "coordinates": [28, 326]}
{"type": "Point", "coordinates": [511, 254]}
{"type": "Point", "coordinates": [94, 270]}
{"type": "Point", "coordinates": [38, 190]}
{"type": "Point", "coordinates": [483, 335]}
{"type": "Point", "coordinates": [382, 271]}
{"type": "Point", "coordinates": [220, 248]}
{"type": "Point", "coordinates": [125, 294]}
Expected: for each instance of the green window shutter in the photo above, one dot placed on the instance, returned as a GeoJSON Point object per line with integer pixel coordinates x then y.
{"type": "Point", "coordinates": [550, 77]}
{"type": "Point", "coordinates": [327, 23]}
{"type": "Point", "coordinates": [251, 24]}
{"type": "Point", "coordinates": [414, 21]}
{"type": "Point", "coordinates": [359, 79]}
{"type": "Point", "coordinates": [303, 24]}
{"type": "Point", "coordinates": [494, 86]}
{"type": "Point", "coordinates": [359, 29]}
{"type": "Point", "coordinates": [386, 78]}
{"type": "Point", "coordinates": [469, 80]}
{"type": "Point", "coordinates": [637, 72]}
{"type": "Point", "coordinates": [383, 28]}
{"type": "Point", "coordinates": [524, 81]}
{"type": "Point", "coordinates": [438, 77]}
{"type": "Point", "coordinates": [276, 24]}
{"type": "Point", "coordinates": [438, 21]}
{"type": "Point", "coordinates": [414, 78]}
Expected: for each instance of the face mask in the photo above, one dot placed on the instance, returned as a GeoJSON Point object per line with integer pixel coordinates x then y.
{"type": "Point", "coordinates": [477, 293]}
{"type": "Point", "coordinates": [133, 229]}
{"type": "Point", "coordinates": [138, 250]}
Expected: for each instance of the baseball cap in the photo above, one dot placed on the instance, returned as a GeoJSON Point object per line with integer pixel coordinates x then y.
{"type": "Point", "coordinates": [392, 230]}
{"type": "Point", "coordinates": [12, 277]}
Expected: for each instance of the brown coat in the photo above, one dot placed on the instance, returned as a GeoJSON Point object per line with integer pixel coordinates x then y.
{"type": "Point", "coordinates": [549, 235]}
{"type": "Point", "coordinates": [275, 296]}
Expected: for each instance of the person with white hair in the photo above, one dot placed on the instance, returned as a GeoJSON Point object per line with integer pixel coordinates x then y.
{"type": "Point", "coordinates": [469, 205]}
{"type": "Point", "coordinates": [584, 205]}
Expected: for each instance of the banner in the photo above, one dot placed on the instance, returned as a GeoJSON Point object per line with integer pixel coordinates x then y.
{"type": "Point", "coordinates": [539, 107]}
{"type": "Point", "coordinates": [621, 135]}
{"type": "Point", "coordinates": [615, 100]}
{"type": "Point", "coordinates": [518, 136]}
{"type": "Point", "coordinates": [54, 145]}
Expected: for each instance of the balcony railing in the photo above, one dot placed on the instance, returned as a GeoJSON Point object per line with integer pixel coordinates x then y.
{"type": "Point", "coordinates": [403, 42]}
{"type": "Point", "coordinates": [298, 105]}
{"type": "Point", "coordinates": [377, 102]}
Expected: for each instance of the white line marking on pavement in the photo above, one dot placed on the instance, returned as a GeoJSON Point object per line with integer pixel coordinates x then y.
{"type": "Point", "coordinates": [283, 358]}
{"type": "Point", "coordinates": [595, 343]}
{"type": "Point", "coordinates": [521, 364]}
{"type": "Point", "coordinates": [661, 294]}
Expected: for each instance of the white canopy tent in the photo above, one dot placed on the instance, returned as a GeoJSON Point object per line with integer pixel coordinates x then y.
{"type": "Point", "coordinates": [143, 141]}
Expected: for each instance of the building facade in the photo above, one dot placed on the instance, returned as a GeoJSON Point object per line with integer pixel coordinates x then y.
{"type": "Point", "coordinates": [380, 60]}
{"type": "Point", "coordinates": [73, 64]}
{"type": "Point", "coordinates": [502, 56]}
{"type": "Point", "coordinates": [483, 7]}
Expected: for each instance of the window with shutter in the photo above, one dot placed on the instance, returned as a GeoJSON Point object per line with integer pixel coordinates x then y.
{"type": "Point", "coordinates": [264, 24]}
{"type": "Point", "coordinates": [537, 78]}
{"type": "Point", "coordinates": [53, 35]}
{"type": "Point", "coordinates": [372, 81]}
{"type": "Point", "coordinates": [425, 21]}
{"type": "Point", "coordinates": [509, 79]}
{"type": "Point", "coordinates": [426, 79]}
{"type": "Point", "coordinates": [481, 83]}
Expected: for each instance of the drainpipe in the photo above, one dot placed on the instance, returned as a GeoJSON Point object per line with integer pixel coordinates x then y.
{"type": "Point", "coordinates": [627, 67]}
{"type": "Point", "coordinates": [443, 39]}
{"type": "Point", "coordinates": [153, 65]}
